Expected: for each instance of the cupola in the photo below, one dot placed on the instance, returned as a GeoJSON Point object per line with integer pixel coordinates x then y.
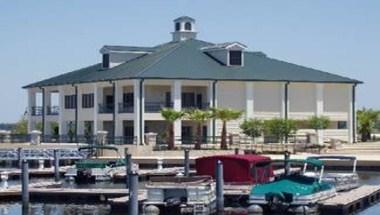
{"type": "Point", "coordinates": [184, 29]}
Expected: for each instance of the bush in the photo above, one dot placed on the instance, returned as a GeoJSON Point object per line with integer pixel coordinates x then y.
{"type": "Point", "coordinates": [280, 128]}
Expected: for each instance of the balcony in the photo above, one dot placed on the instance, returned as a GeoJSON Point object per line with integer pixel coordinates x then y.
{"type": "Point", "coordinates": [106, 108]}
{"type": "Point", "coordinates": [52, 110]}
{"type": "Point", "coordinates": [126, 108]}
{"type": "Point", "coordinates": [155, 107]}
{"type": "Point", "coordinates": [37, 111]}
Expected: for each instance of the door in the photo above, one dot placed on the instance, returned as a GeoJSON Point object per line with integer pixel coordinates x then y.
{"type": "Point", "coordinates": [128, 134]}
{"type": "Point", "coordinates": [168, 99]}
{"type": "Point", "coordinates": [188, 100]}
{"type": "Point", "coordinates": [199, 101]}
{"type": "Point", "coordinates": [109, 103]}
{"type": "Point", "coordinates": [187, 133]}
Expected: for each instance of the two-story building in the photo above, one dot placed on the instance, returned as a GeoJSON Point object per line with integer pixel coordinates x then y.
{"type": "Point", "coordinates": [125, 92]}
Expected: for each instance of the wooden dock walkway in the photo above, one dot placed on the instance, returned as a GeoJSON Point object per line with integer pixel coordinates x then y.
{"type": "Point", "coordinates": [352, 201]}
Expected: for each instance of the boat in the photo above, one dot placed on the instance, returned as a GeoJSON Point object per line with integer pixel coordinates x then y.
{"type": "Point", "coordinates": [291, 192]}
{"type": "Point", "coordinates": [93, 169]}
{"type": "Point", "coordinates": [180, 195]}
{"type": "Point", "coordinates": [343, 180]}
{"type": "Point", "coordinates": [239, 169]}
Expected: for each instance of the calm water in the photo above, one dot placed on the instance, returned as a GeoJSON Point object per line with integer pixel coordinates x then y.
{"type": "Point", "coordinates": [14, 208]}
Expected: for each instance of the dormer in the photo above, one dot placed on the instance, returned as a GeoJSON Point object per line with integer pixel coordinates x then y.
{"type": "Point", "coordinates": [116, 55]}
{"type": "Point", "coordinates": [228, 54]}
{"type": "Point", "coordinates": [184, 29]}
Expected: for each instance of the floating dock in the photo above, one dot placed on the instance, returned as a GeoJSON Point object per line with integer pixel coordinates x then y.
{"type": "Point", "coordinates": [352, 201]}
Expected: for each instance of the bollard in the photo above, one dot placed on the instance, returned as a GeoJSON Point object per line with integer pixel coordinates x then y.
{"type": "Point", "coordinates": [187, 163]}
{"type": "Point", "coordinates": [219, 187]}
{"type": "Point", "coordinates": [56, 165]}
{"type": "Point", "coordinates": [24, 184]}
{"type": "Point", "coordinates": [236, 151]}
{"type": "Point", "coordinates": [286, 163]}
{"type": "Point", "coordinates": [128, 167]}
{"type": "Point", "coordinates": [133, 208]}
{"type": "Point", "coordinates": [4, 180]}
{"type": "Point", "coordinates": [160, 163]}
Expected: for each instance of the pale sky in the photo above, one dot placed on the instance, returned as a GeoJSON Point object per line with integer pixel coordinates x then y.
{"type": "Point", "coordinates": [40, 39]}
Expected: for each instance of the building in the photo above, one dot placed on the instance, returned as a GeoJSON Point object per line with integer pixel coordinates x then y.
{"type": "Point", "coordinates": [124, 93]}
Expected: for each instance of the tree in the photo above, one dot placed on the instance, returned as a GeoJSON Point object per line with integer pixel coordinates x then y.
{"type": "Point", "coordinates": [280, 128]}
{"type": "Point", "coordinates": [252, 128]}
{"type": "Point", "coordinates": [170, 115]}
{"type": "Point", "coordinates": [319, 123]}
{"type": "Point", "coordinates": [54, 129]}
{"type": "Point", "coordinates": [367, 119]}
{"type": "Point", "coordinates": [199, 117]}
{"type": "Point", "coordinates": [225, 115]}
{"type": "Point", "coordinates": [21, 126]}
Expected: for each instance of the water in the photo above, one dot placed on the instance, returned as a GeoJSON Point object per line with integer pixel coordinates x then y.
{"type": "Point", "coordinates": [14, 208]}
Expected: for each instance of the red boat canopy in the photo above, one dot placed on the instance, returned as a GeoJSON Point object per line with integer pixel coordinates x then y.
{"type": "Point", "coordinates": [240, 169]}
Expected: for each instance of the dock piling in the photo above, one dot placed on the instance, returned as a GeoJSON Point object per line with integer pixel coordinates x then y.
{"type": "Point", "coordinates": [187, 163]}
{"type": "Point", "coordinates": [286, 162]}
{"type": "Point", "coordinates": [236, 151]}
{"type": "Point", "coordinates": [133, 208]}
{"type": "Point", "coordinates": [128, 167]}
{"type": "Point", "coordinates": [25, 184]}
{"type": "Point", "coordinates": [219, 187]}
{"type": "Point", "coordinates": [56, 165]}
{"type": "Point", "coordinates": [19, 157]}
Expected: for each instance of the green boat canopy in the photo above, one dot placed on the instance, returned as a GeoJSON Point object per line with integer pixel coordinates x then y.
{"type": "Point", "coordinates": [98, 147]}
{"type": "Point", "coordinates": [310, 161]}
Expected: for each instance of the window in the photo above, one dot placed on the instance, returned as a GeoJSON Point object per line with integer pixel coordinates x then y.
{"type": "Point", "coordinates": [106, 60]}
{"type": "Point", "coordinates": [188, 26]}
{"type": "Point", "coordinates": [235, 58]}
{"type": "Point", "coordinates": [128, 99]}
{"type": "Point", "coordinates": [88, 100]}
{"type": "Point", "coordinates": [188, 100]}
{"type": "Point", "coordinates": [177, 26]}
{"type": "Point", "coordinates": [342, 124]}
{"type": "Point", "coordinates": [70, 102]}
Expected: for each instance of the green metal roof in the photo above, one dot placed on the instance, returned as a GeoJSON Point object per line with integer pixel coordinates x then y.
{"type": "Point", "coordinates": [186, 60]}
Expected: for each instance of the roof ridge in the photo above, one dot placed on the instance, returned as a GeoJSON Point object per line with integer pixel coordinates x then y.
{"type": "Point", "coordinates": [160, 59]}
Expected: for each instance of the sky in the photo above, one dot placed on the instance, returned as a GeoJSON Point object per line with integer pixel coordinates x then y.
{"type": "Point", "coordinates": [40, 39]}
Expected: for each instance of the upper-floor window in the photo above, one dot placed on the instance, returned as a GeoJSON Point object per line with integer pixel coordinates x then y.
{"type": "Point", "coordinates": [188, 26]}
{"type": "Point", "coordinates": [70, 102]}
{"type": "Point", "coordinates": [106, 61]}
{"type": "Point", "coordinates": [342, 124]}
{"type": "Point", "coordinates": [177, 26]}
{"type": "Point", "coordinates": [88, 100]}
{"type": "Point", "coordinates": [235, 58]}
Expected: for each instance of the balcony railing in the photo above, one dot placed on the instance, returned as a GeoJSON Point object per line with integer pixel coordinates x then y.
{"type": "Point", "coordinates": [155, 107]}
{"type": "Point", "coordinates": [125, 107]}
{"type": "Point", "coordinates": [106, 108]}
{"type": "Point", "coordinates": [37, 111]}
{"type": "Point", "coordinates": [52, 110]}
{"type": "Point", "coordinates": [202, 106]}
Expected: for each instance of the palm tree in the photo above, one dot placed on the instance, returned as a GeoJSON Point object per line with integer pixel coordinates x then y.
{"type": "Point", "coordinates": [225, 115]}
{"type": "Point", "coordinates": [367, 119]}
{"type": "Point", "coordinates": [199, 117]}
{"type": "Point", "coordinates": [171, 115]}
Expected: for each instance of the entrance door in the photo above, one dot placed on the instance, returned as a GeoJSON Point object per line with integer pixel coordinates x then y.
{"type": "Point", "coordinates": [187, 133]}
{"type": "Point", "coordinates": [128, 134]}
{"type": "Point", "coordinates": [199, 101]}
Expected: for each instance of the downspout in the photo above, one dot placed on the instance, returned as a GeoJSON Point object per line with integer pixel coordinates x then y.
{"type": "Point", "coordinates": [214, 106]}
{"type": "Point", "coordinates": [141, 87]}
{"type": "Point", "coordinates": [354, 113]}
{"type": "Point", "coordinates": [286, 97]}
{"type": "Point", "coordinates": [76, 114]}
{"type": "Point", "coordinates": [43, 114]}
{"type": "Point", "coordinates": [114, 111]}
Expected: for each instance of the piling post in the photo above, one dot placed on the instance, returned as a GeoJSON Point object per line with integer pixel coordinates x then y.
{"type": "Point", "coordinates": [56, 165]}
{"type": "Point", "coordinates": [19, 157]}
{"type": "Point", "coordinates": [128, 166]}
{"type": "Point", "coordinates": [24, 184]}
{"type": "Point", "coordinates": [133, 207]}
{"type": "Point", "coordinates": [187, 163]}
{"type": "Point", "coordinates": [286, 162]}
{"type": "Point", "coordinates": [219, 187]}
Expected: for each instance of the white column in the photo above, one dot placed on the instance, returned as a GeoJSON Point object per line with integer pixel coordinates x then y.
{"type": "Point", "coordinates": [210, 131]}
{"type": "Point", "coordinates": [283, 103]}
{"type": "Point", "coordinates": [96, 108]}
{"type": "Point", "coordinates": [47, 105]}
{"type": "Point", "coordinates": [319, 109]}
{"type": "Point", "coordinates": [177, 105]}
{"type": "Point", "coordinates": [350, 117]}
{"type": "Point", "coordinates": [61, 105]}
{"type": "Point", "coordinates": [31, 104]}
{"type": "Point", "coordinates": [138, 123]}
{"type": "Point", "coordinates": [118, 124]}
{"type": "Point", "coordinates": [249, 109]}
